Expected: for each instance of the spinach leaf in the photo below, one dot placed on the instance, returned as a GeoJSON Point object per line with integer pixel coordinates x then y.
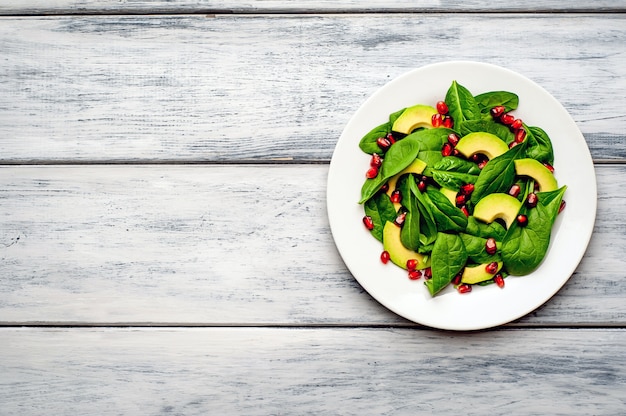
{"type": "Point", "coordinates": [524, 248]}
{"type": "Point", "coordinates": [498, 174]}
{"type": "Point", "coordinates": [480, 229]}
{"type": "Point", "coordinates": [456, 164]}
{"type": "Point", "coordinates": [430, 157]}
{"type": "Point", "coordinates": [428, 227]}
{"type": "Point", "coordinates": [410, 232]}
{"type": "Point", "coordinates": [486, 101]}
{"type": "Point", "coordinates": [461, 104]}
{"type": "Point", "coordinates": [381, 209]}
{"type": "Point", "coordinates": [368, 142]}
{"type": "Point", "coordinates": [447, 260]}
{"type": "Point", "coordinates": [452, 180]}
{"type": "Point", "coordinates": [489, 126]}
{"type": "Point", "coordinates": [475, 247]}
{"type": "Point", "coordinates": [453, 172]}
{"type": "Point", "coordinates": [447, 216]}
{"type": "Point", "coordinates": [430, 139]}
{"type": "Point", "coordinates": [539, 145]}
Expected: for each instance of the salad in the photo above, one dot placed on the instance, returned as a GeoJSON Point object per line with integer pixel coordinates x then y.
{"type": "Point", "coordinates": [462, 192]}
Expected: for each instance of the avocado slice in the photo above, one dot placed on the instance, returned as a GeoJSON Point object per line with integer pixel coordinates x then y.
{"type": "Point", "coordinates": [537, 171]}
{"type": "Point", "coordinates": [497, 205]}
{"type": "Point", "coordinates": [413, 118]}
{"type": "Point", "coordinates": [481, 142]}
{"type": "Point", "coordinates": [398, 253]}
{"type": "Point", "coordinates": [476, 274]}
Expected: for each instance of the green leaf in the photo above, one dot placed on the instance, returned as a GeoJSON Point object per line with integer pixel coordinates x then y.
{"type": "Point", "coordinates": [453, 172]}
{"type": "Point", "coordinates": [430, 139]}
{"type": "Point", "coordinates": [480, 229]}
{"type": "Point", "coordinates": [461, 104]}
{"type": "Point", "coordinates": [524, 248]}
{"type": "Point", "coordinates": [380, 209]}
{"type": "Point", "coordinates": [448, 259]}
{"type": "Point", "coordinates": [539, 145]}
{"type": "Point", "coordinates": [486, 101]}
{"type": "Point", "coordinates": [475, 247]}
{"type": "Point", "coordinates": [368, 143]}
{"type": "Point", "coordinates": [447, 216]}
{"type": "Point", "coordinates": [498, 174]}
{"type": "Point", "coordinates": [489, 126]}
{"type": "Point", "coordinates": [428, 227]}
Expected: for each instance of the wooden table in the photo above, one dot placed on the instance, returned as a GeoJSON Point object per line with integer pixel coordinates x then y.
{"type": "Point", "coordinates": [164, 242]}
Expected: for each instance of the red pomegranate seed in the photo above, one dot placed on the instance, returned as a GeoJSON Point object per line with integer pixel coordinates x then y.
{"type": "Point", "coordinates": [376, 160]}
{"type": "Point", "coordinates": [460, 200]}
{"type": "Point", "coordinates": [383, 143]}
{"type": "Point", "coordinates": [384, 188]}
{"type": "Point", "coordinates": [400, 219]}
{"type": "Point", "coordinates": [507, 119]}
{"type": "Point", "coordinates": [448, 122]}
{"type": "Point", "coordinates": [549, 166]}
{"type": "Point", "coordinates": [453, 139]}
{"type": "Point", "coordinates": [513, 144]}
{"type": "Point", "coordinates": [522, 220]}
{"type": "Point", "coordinates": [396, 197]}
{"type": "Point", "coordinates": [531, 200]}
{"type": "Point", "coordinates": [442, 107]}
{"type": "Point", "coordinates": [465, 211]}
{"type": "Point", "coordinates": [516, 124]}
{"type": "Point", "coordinates": [464, 288]}
{"type": "Point", "coordinates": [437, 120]}
{"type": "Point", "coordinates": [447, 149]}
{"type": "Point", "coordinates": [384, 257]}
{"type": "Point", "coordinates": [497, 111]}
{"type": "Point", "coordinates": [421, 185]}
{"type": "Point", "coordinates": [562, 206]}
{"type": "Point", "coordinates": [371, 173]}
{"type": "Point", "coordinates": [411, 264]}
{"type": "Point", "coordinates": [515, 190]}
{"type": "Point", "coordinates": [428, 273]}
{"type": "Point", "coordinates": [490, 246]}
{"type": "Point", "coordinates": [457, 279]}
{"type": "Point", "coordinates": [369, 223]}
{"type": "Point", "coordinates": [467, 189]}
{"type": "Point", "coordinates": [499, 280]}
{"type": "Point", "coordinates": [520, 135]}
{"type": "Point", "coordinates": [391, 139]}
{"type": "Point", "coordinates": [482, 164]}
{"type": "Point", "coordinates": [492, 268]}
{"type": "Point", "coordinates": [415, 274]}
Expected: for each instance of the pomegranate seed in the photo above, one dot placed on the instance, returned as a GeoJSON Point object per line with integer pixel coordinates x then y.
{"type": "Point", "coordinates": [428, 273]}
{"type": "Point", "coordinates": [562, 206]}
{"type": "Point", "coordinates": [384, 257]}
{"type": "Point", "coordinates": [467, 189]}
{"type": "Point", "coordinates": [442, 107]}
{"type": "Point", "coordinates": [497, 111]}
{"type": "Point", "coordinates": [516, 124]}
{"type": "Point", "coordinates": [460, 200]}
{"type": "Point", "coordinates": [448, 122]}
{"type": "Point", "coordinates": [455, 152]}
{"type": "Point", "coordinates": [492, 268]}
{"type": "Point", "coordinates": [549, 166]}
{"type": "Point", "coordinates": [376, 160]}
{"type": "Point", "coordinates": [437, 120]}
{"type": "Point", "coordinates": [464, 288]}
{"type": "Point", "coordinates": [411, 264]}
{"type": "Point", "coordinates": [415, 274]}
{"type": "Point", "coordinates": [507, 119]}
{"type": "Point", "coordinates": [371, 173]}
{"type": "Point", "coordinates": [490, 246]}
{"type": "Point", "coordinates": [465, 211]}
{"type": "Point", "coordinates": [391, 139]}
{"type": "Point", "coordinates": [513, 144]}
{"type": "Point", "coordinates": [453, 139]}
{"type": "Point", "coordinates": [515, 190]}
{"type": "Point", "coordinates": [384, 188]}
{"type": "Point", "coordinates": [482, 164]}
{"type": "Point", "coordinates": [383, 143]}
{"type": "Point", "coordinates": [446, 150]}
{"type": "Point", "coordinates": [531, 200]}
{"type": "Point", "coordinates": [421, 185]}
{"type": "Point", "coordinates": [499, 280]}
{"type": "Point", "coordinates": [369, 224]}
{"type": "Point", "coordinates": [457, 279]}
{"type": "Point", "coordinates": [396, 197]}
{"type": "Point", "coordinates": [522, 220]}
{"type": "Point", "coordinates": [520, 135]}
{"type": "Point", "coordinates": [400, 219]}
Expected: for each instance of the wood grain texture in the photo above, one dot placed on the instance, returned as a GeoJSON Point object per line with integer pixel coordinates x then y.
{"type": "Point", "coordinates": [299, 6]}
{"type": "Point", "coordinates": [299, 371]}
{"type": "Point", "coordinates": [224, 245]}
{"type": "Point", "coordinates": [266, 88]}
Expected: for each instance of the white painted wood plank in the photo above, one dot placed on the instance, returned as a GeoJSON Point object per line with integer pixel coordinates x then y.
{"type": "Point", "coordinates": [301, 371]}
{"type": "Point", "coordinates": [196, 88]}
{"type": "Point", "coordinates": [224, 245]}
{"type": "Point", "coordinates": [300, 6]}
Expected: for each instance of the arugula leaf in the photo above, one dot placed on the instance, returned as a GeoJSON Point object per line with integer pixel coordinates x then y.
{"type": "Point", "coordinates": [461, 104]}
{"type": "Point", "coordinates": [447, 216]}
{"type": "Point", "coordinates": [448, 259]}
{"type": "Point", "coordinates": [524, 248]}
{"type": "Point", "coordinates": [486, 101]}
{"type": "Point", "coordinates": [381, 209]}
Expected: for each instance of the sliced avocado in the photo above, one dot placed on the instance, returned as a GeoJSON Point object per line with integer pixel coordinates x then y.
{"type": "Point", "coordinates": [497, 205]}
{"type": "Point", "coordinates": [417, 166]}
{"type": "Point", "coordinates": [481, 142]}
{"type": "Point", "coordinates": [537, 171]}
{"type": "Point", "coordinates": [398, 253]}
{"type": "Point", "coordinates": [413, 118]}
{"type": "Point", "coordinates": [450, 194]}
{"type": "Point", "coordinates": [476, 274]}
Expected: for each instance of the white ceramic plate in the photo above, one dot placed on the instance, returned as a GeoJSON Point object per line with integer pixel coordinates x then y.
{"type": "Point", "coordinates": [485, 306]}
